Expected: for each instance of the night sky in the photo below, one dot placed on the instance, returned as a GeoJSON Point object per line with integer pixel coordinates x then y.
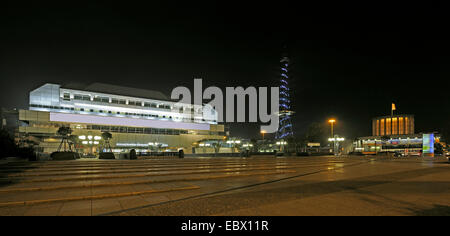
{"type": "Point", "coordinates": [350, 61]}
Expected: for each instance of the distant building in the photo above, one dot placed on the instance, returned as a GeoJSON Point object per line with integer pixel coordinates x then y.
{"type": "Point", "coordinates": [392, 134]}
{"type": "Point", "coordinates": [393, 125]}
{"type": "Point", "coordinates": [137, 118]}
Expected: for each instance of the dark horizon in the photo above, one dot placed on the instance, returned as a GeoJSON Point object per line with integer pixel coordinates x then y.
{"type": "Point", "coordinates": [349, 65]}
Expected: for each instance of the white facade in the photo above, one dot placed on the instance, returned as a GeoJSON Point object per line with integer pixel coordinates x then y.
{"type": "Point", "coordinates": [134, 121]}
{"type": "Point", "coordinates": [54, 98]}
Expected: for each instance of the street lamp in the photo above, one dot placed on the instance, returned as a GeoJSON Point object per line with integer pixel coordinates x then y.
{"type": "Point", "coordinates": [332, 121]}
{"type": "Point", "coordinates": [263, 132]}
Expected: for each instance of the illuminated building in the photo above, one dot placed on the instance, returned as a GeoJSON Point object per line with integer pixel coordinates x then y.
{"type": "Point", "coordinates": [393, 125]}
{"type": "Point", "coordinates": [137, 119]}
{"type": "Point", "coordinates": [285, 122]}
{"type": "Point", "coordinates": [393, 134]}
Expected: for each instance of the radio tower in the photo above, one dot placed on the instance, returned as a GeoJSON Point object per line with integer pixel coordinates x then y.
{"type": "Point", "coordinates": [285, 123]}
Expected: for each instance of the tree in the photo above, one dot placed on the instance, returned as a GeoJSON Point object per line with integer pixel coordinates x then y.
{"type": "Point", "coordinates": [7, 145]}
{"type": "Point", "coordinates": [317, 133]}
{"type": "Point", "coordinates": [217, 145]}
{"type": "Point", "coordinates": [255, 147]}
{"type": "Point", "coordinates": [65, 133]}
{"type": "Point", "coordinates": [106, 137]}
{"type": "Point", "coordinates": [73, 140]}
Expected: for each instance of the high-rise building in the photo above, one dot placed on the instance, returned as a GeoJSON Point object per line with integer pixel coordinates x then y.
{"type": "Point", "coordinates": [137, 118]}
{"type": "Point", "coordinates": [285, 123]}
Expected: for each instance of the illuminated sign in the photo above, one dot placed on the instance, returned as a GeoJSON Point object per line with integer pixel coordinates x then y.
{"type": "Point", "coordinates": [428, 145]}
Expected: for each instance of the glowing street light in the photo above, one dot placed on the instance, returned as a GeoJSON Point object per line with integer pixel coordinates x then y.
{"type": "Point", "coordinates": [332, 121]}
{"type": "Point", "coordinates": [263, 132]}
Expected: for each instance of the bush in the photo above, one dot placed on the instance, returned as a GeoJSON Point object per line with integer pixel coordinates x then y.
{"type": "Point", "coordinates": [7, 145]}
{"type": "Point", "coordinates": [26, 153]}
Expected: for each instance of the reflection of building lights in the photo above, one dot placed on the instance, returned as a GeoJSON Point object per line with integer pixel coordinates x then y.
{"type": "Point", "coordinates": [97, 138]}
{"type": "Point", "coordinates": [89, 137]}
{"type": "Point", "coordinates": [96, 142]}
{"type": "Point", "coordinates": [84, 142]}
{"type": "Point", "coordinates": [82, 137]}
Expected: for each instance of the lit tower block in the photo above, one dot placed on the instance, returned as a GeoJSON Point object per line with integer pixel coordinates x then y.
{"type": "Point", "coordinates": [285, 125]}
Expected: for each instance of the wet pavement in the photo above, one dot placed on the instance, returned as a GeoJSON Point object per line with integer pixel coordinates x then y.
{"type": "Point", "coordinates": [261, 185]}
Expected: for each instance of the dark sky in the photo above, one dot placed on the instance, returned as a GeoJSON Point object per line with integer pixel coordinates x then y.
{"type": "Point", "coordinates": [350, 61]}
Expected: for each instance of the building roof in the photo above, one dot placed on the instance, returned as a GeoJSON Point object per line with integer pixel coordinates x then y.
{"type": "Point", "coordinates": [394, 116]}
{"type": "Point", "coordinates": [118, 90]}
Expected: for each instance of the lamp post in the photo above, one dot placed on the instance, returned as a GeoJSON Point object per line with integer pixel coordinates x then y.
{"type": "Point", "coordinates": [263, 132]}
{"type": "Point", "coordinates": [332, 121]}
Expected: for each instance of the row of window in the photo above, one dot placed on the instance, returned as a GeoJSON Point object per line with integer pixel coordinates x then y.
{"type": "Point", "coordinates": [134, 130]}
{"type": "Point", "coordinates": [80, 97]}
{"type": "Point", "coordinates": [121, 113]}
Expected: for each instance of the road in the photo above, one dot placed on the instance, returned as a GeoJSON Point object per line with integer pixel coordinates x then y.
{"type": "Point", "coordinates": [261, 185]}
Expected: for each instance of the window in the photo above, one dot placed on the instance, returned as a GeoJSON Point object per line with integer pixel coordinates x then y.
{"type": "Point", "coordinates": [123, 102]}
{"type": "Point", "coordinates": [132, 103]}
{"type": "Point", "coordinates": [388, 126]}
{"type": "Point", "coordinates": [115, 101]}
{"type": "Point", "coordinates": [66, 97]}
{"type": "Point", "coordinates": [406, 125]}
{"type": "Point", "coordinates": [101, 99]}
{"type": "Point", "coordinates": [394, 126]}
{"type": "Point", "coordinates": [400, 125]}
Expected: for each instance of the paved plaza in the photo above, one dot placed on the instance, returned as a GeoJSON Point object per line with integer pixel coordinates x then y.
{"type": "Point", "coordinates": [260, 185]}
